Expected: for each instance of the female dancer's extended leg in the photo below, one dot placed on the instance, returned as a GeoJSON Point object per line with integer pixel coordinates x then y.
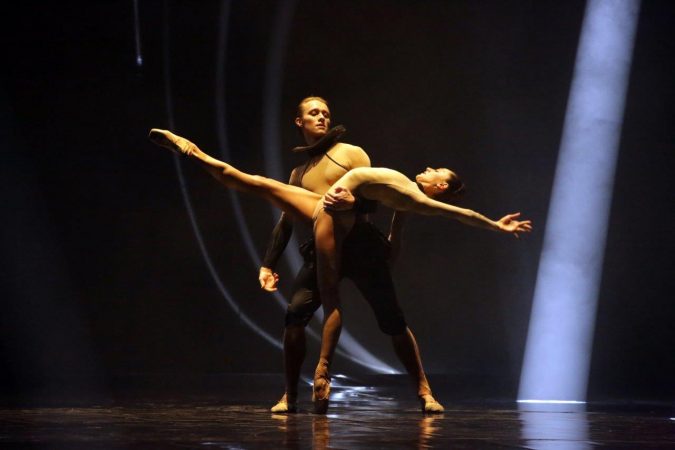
{"type": "Point", "coordinates": [330, 230]}
{"type": "Point", "coordinates": [295, 201]}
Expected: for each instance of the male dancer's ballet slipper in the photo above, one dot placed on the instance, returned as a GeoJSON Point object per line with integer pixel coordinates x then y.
{"type": "Point", "coordinates": [284, 406]}
{"type": "Point", "coordinates": [430, 405]}
{"type": "Point", "coordinates": [321, 393]}
{"type": "Point", "coordinates": [175, 143]}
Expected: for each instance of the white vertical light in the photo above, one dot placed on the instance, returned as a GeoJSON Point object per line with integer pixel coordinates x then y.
{"type": "Point", "coordinates": [558, 350]}
{"type": "Point", "coordinates": [137, 35]}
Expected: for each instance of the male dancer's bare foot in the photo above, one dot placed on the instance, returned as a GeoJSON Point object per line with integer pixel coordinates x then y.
{"type": "Point", "coordinates": [321, 389]}
{"type": "Point", "coordinates": [430, 405]}
{"type": "Point", "coordinates": [175, 143]}
{"type": "Point", "coordinates": [287, 404]}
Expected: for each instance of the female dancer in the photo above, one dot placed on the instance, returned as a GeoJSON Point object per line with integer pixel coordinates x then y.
{"type": "Point", "coordinates": [386, 186]}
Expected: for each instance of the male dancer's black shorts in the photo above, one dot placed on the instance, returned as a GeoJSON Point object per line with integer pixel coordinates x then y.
{"type": "Point", "coordinates": [365, 254]}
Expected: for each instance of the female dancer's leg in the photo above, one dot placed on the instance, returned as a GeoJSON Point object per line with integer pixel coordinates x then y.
{"type": "Point", "coordinates": [295, 201]}
{"type": "Point", "coordinates": [330, 230]}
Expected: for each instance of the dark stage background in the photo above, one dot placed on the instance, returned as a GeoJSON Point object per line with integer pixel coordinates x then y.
{"type": "Point", "coordinates": [103, 276]}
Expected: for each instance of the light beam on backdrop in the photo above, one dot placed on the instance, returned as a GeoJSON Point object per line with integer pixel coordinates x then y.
{"type": "Point", "coordinates": [186, 197]}
{"type": "Point", "coordinates": [137, 35]}
{"type": "Point", "coordinates": [558, 350]}
{"type": "Point", "coordinates": [355, 354]}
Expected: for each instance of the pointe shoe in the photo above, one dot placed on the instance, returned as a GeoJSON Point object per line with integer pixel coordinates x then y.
{"type": "Point", "coordinates": [284, 406]}
{"type": "Point", "coordinates": [430, 405]}
{"type": "Point", "coordinates": [321, 393]}
{"type": "Point", "coordinates": [175, 143]}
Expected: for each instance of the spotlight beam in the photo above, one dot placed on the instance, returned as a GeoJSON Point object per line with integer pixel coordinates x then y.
{"type": "Point", "coordinates": [558, 349]}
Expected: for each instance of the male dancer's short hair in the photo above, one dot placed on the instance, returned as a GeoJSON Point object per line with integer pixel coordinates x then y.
{"type": "Point", "coordinates": [298, 112]}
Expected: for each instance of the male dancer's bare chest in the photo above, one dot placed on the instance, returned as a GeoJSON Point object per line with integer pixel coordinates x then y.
{"type": "Point", "coordinates": [320, 172]}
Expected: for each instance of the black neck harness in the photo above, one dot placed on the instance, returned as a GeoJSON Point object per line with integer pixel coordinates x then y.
{"type": "Point", "coordinates": [324, 144]}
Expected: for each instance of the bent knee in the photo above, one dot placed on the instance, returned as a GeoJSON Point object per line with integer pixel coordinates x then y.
{"type": "Point", "coordinates": [296, 320]}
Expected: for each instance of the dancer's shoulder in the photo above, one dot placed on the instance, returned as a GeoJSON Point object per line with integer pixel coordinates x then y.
{"type": "Point", "coordinates": [295, 179]}
{"type": "Point", "coordinates": [355, 155]}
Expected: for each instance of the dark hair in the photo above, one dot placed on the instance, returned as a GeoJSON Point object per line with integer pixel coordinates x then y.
{"type": "Point", "coordinates": [455, 191]}
{"type": "Point", "coordinates": [298, 111]}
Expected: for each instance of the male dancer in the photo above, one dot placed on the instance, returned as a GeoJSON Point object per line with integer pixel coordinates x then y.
{"type": "Point", "coordinates": [364, 258]}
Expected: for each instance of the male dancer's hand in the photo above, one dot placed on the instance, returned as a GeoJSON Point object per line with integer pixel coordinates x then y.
{"type": "Point", "coordinates": [268, 279]}
{"type": "Point", "coordinates": [338, 199]}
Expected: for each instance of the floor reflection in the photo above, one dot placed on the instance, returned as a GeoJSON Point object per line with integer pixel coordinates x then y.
{"type": "Point", "coordinates": [320, 432]}
{"type": "Point", "coordinates": [363, 417]}
{"type": "Point", "coordinates": [428, 430]}
{"type": "Point", "coordinates": [288, 426]}
{"type": "Point", "coordinates": [384, 416]}
{"type": "Point", "coordinates": [554, 426]}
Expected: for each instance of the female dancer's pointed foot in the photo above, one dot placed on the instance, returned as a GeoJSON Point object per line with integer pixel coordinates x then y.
{"type": "Point", "coordinates": [430, 405]}
{"type": "Point", "coordinates": [321, 393]}
{"type": "Point", "coordinates": [287, 404]}
{"type": "Point", "coordinates": [175, 143]}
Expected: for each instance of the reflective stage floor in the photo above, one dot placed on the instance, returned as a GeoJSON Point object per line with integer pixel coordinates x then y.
{"type": "Point", "coordinates": [381, 414]}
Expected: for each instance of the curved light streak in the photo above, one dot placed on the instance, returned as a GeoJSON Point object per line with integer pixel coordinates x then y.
{"type": "Point", "coordinates": [224, 149]}
{"type": "Point", "coordinates": [186, 198]}
{"type": "Point", "coordinates": [272, 105]}
{"type": "Point", "coordinates": [365, 359]}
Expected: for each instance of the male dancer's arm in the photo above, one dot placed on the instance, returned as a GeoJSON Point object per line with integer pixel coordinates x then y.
{"type": "Point", "coordinates": [281, 234]}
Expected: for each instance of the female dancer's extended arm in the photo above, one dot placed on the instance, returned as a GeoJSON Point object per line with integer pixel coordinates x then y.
{"type": "Point", "coordinates": [394, 190]}
{"type": "Point", "coordinates": [421, 204]}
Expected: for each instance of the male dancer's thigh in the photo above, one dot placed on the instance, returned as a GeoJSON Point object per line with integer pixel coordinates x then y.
{"type": "Point", "coordinates": [305, 299]}
{"type": "Point", "coordinates": [365, 254]}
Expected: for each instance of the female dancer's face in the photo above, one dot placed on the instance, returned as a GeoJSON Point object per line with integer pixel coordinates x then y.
{"type": "Point", "coordinates": [433, 181]}
{"type": "Point", "coordinates": [315, 119]}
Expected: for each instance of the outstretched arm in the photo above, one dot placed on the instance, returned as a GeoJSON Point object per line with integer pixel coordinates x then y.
{"type": "Point", "coordinates": [507, 224]}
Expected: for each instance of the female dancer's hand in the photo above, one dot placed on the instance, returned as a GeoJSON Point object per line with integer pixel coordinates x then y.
{"type": "Point", "coordinates": [509, 224]}
{"type": "Point", "coordinates": [268, 279]}
{"type": "Point", "coordinates": [338, 199]}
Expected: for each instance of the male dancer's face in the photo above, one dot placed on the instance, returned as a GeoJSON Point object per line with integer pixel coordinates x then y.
{"type": "Point", "coordinates": [315, 120]}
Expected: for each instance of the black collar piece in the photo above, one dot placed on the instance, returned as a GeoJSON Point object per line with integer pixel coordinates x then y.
{"type": "Point", "coordinates": [324, 144]}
